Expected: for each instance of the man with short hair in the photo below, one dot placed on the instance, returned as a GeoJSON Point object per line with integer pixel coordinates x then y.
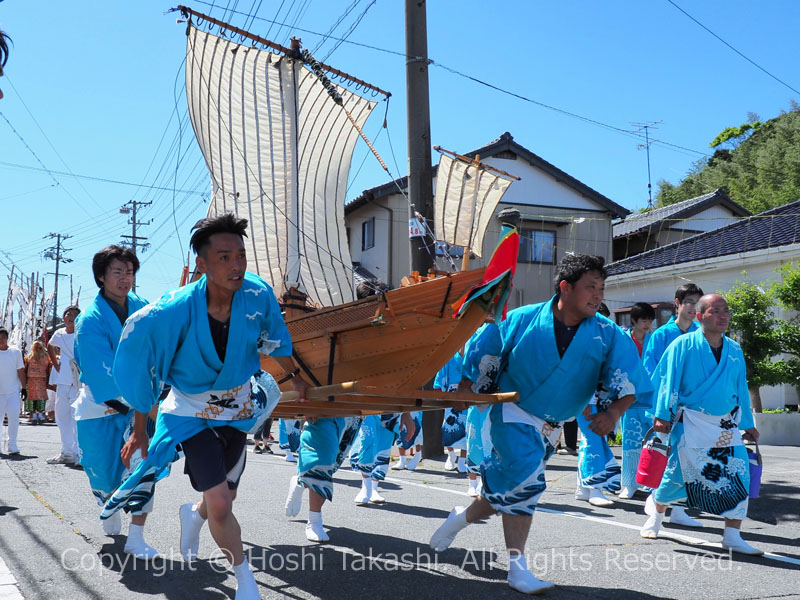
{"type": "Point", "coordinates": [12, 382]}
{"type": "Point", "coordinates": [554, 354]}
{"type": "Point", "coordinates": [66, 380]}
{"type": "Point", "coordinates": [703, 402]}
{"type": "Point", "coordinates": [635, 421]}
{"type": "Point", "coordinates": [686, 297]}
{"type": "Point", "coordinates": [109, 435]}
{"type": "Point", "coordinates": [204, 341]}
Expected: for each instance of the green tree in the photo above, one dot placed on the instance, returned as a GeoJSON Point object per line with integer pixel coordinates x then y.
{"type": "Point", "coordinates": [755, 328]}
{"type": "Point", "coordinates": [760, 172]}
{"type": "Point", "coordinates": [787, 293]}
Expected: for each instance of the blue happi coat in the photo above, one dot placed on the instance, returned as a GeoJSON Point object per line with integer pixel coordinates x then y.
{"type": "Point", "coordinates": [102, 431]}
{"type": "Point", "coordinates": [713, 479]}
{"type": "Point", "coordinates": [635, 423]}
{"type": "Point", "coordinates": [660, 340]}
{"type": "Point", "coordinates": [551, 387]}
{"type": "Point", "coordinates": [521, 354]}
{"type": "Point", "coordinates": [454, 422]}
{"type": "Point", "coordinates": [97, 333]}
{"type": "Point", "coordinates": [170, 342]}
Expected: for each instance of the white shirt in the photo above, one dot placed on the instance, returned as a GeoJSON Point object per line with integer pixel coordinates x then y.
{"type": "Point", "coordinates": [10, 362]}
{"type": "Point", "coordinates": [64, 341]}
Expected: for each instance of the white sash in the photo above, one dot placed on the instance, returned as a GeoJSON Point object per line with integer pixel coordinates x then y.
{"type": "Point", "coordinates": [704, 431]}
{"type": "Point", "coordinates": [223, 405]}
{"type": "Point", "coordinates": [86, 408]}
{"type": "Point", "coordinates": [513, 413]}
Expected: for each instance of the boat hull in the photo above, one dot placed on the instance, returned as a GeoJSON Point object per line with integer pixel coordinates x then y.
{"type": "Point", "coordinates": [395, 341]}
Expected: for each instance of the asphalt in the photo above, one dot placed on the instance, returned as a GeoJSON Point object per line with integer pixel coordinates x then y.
{"type": "Point", "coordinates": [52, 545]}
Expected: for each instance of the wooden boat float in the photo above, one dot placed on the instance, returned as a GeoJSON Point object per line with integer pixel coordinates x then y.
{"type": "Point", "coordinates": [385, 348]}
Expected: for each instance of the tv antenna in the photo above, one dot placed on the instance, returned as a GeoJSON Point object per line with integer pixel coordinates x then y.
{"type": "Point", "coordinates": [646, 127]}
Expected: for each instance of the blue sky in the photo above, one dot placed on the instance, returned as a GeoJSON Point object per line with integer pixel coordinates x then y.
{"type": "Point", "coordinates": [90, 95]}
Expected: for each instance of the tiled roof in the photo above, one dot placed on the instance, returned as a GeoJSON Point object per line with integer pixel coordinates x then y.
{"type": "Point", "coordinates": [680, 210]}
{"type": "Point", "coordinates": [361, 274]}
{"type": "Point", "coordinates": [776, 227]}
{"type": "Point", "coordinates": [505, 143]}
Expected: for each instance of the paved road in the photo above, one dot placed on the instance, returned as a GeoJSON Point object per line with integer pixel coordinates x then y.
{"type": "Point", "coordinates": [53, 545]}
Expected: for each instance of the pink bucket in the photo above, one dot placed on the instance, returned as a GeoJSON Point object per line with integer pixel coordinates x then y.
{"type": "Point", "coordinates": [652, 461]}
{"type": "Point", "coordinates": [756, 468]}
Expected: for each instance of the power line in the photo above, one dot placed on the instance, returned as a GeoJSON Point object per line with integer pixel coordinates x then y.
{"type": "Point", "coordinates": [489, 85]}
{"type": "Point", "coordinates": [51, 172]}
{"type": "Point", "coordinates": [751, 61]}
{"type": "Point", "coordinates": [47, 139]}
{"type": "Point", "coordinates": [44, 168]}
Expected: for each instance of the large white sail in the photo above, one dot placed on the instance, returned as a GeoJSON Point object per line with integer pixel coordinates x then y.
{"type": "Point", "coordinates": [465, 199]}
{"type": "Point", "coordinates": [278, 149]}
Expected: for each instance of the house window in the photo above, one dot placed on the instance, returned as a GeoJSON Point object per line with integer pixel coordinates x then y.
{"type": "Point", "coordinates": [368, 234]}
{"type": "Point", "coordinates": [537, 246]}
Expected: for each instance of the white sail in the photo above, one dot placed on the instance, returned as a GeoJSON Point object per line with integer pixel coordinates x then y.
{"type": "Point", "coordinates": [465, 200]}
{"type": "Point", "coordinates": [279, 151]}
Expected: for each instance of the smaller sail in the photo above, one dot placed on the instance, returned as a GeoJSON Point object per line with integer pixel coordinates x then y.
{"type": "Point", "coordinates": [465, 200]}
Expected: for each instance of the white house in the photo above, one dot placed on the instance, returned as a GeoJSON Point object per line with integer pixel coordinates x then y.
{"type": "Point", "coordinates": [750, 249]}
{"type": "Point", "coordinates": [559, 214]}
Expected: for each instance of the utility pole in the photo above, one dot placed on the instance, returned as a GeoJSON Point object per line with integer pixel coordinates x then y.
{"type": "Point", "coordinates": [646, 127]}
{"type": "Point", "coordinates": [56, 253]}
{"type": "Point", "coordinates": [420, 174]}
{"type": "Point", "coordinates": [130, 208]}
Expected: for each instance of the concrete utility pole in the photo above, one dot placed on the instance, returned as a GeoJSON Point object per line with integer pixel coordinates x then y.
{"type": "Point", "coordinates": [56, 253]}
{"type": "Point", "coordinates": [420, 174]}
{"type": "Point", "coordinates": [131, 208]}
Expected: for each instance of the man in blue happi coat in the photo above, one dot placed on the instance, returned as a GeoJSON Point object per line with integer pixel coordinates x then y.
{"type": "Point", "coordinates": [204, 341]}
{"type": "Point", "coordinates": [109, 434]}
{"type": "Point", "coordinates": [703, 402]}
{"type": "Point", "coordinates": [554, 354]}
{"type": "Point", "coordinates": [686, 298]}
{"type": "Point", "coordinates": [635, 421]}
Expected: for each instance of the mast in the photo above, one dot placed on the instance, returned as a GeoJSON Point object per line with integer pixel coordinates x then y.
{"type": "Point", "coordinates": [420, 173]}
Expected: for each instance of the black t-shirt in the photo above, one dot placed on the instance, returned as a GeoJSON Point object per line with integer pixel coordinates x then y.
{"type": "Point", "coordinates": [717, 353]}
{"type": "Point", "coordinates": [219, 333]}
{"type": "Point", "coordinates": [564, 335]}
{"type": "Point", "coordinates": [119, 310]}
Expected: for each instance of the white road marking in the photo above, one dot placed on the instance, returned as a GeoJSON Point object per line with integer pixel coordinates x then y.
{"type": "Point", "coordinates": [577, 515]}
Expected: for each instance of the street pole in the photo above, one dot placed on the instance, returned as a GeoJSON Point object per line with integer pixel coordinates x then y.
{"type": "Point", "coordinates": [131, 208]}
{"type": "Point", "coordinates": [420, 173]}
{"type": "Point", "coordinates": [56, 253]}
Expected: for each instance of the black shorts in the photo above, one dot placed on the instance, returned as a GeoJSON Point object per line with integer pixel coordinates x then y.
{"type": "Point", "coordinates": [214, 456]}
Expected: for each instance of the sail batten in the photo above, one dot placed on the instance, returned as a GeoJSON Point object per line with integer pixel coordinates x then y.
{"type": "Point", "coordinates": [465, 199]}
{"type": "Point", "coordinates": [279, 152]}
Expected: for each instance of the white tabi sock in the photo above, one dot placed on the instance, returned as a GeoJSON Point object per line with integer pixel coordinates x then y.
{"type": "Point", "coordinates": [365, 492]}
{"type": "Point", "coordinates": [135, 534]}
{"type": "Point", "coordinates": [521, 579]}
{"type": "Point", "coordinates": [732, 540]}
{"type": "Point", "coordinates": [314, 530]}
{"type": "Point", "coordinates": [136, 546]}
{"type": "Point", "coordinates": [462, 464]}
{"type": "Point", "coordinates": [443, 537]}
{"type": "Point", "coordinates": [375, 496]}
{"type": "Point", "coordinates": [246, 587]}
{"type": "Point", "coordinates": [403, 460]}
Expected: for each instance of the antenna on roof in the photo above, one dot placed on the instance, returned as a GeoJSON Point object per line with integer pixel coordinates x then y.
{"type": "Point", "coordinates": [646, 145]}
